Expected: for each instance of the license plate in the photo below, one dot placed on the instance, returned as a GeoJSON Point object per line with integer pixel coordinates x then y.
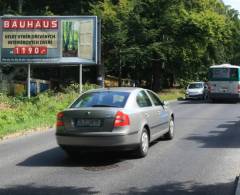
{"type": "Point", "coordinates": [88, 123]}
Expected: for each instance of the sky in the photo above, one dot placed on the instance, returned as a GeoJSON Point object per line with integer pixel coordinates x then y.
{"type": "Point", "coordinates": [234, 3]}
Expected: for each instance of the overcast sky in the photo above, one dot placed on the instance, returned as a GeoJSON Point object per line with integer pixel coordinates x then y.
{"type": "Point", "coordinates": [234, 3]}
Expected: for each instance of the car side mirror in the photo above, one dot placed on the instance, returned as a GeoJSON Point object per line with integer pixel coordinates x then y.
{"type": "Point", "coordinates": [165, 103]}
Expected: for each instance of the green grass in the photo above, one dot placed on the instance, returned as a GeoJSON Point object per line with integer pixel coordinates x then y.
{"type": "Point", "coordinates": [171, 94]}
{"type": "Point", "coordinates": [21, 114]}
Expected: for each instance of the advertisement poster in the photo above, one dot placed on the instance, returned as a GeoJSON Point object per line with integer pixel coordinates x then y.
{"type": "Point", "coordinates": [49, 40]}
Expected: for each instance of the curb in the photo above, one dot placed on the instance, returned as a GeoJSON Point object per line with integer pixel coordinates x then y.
{"type": "Point", "coordinates": [237, 192]}
{"type": "Point", "coordinates": [26, 133]}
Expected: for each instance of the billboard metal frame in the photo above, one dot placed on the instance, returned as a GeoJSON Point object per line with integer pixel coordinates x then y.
{"type": "Point", "coordinates": [61, 60]}
{"type": "Point", "coordinates": [57, 62]}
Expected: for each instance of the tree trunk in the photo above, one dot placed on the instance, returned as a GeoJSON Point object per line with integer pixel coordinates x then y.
{"type": "Point", "coordinates": [120, 76]}
{"type": "Point", "coordinates": [156, 86]}
{"type": "Point", "coordinates": [120, 70]}
{"type": "Point", "coordinates": [172, 80]}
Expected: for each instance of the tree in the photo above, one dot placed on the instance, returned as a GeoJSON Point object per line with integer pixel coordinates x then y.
{"type": "Point", "coordinates": [159, 41]}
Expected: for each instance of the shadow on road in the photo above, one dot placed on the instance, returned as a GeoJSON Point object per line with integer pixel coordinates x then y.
{"type": "Point", "coordinates": [226, 137]}
{"type": "Point", "coordinates": [172, 188]}
{"type": "Point", "coordinates": [184, 188]}
{"type": "Point", "coordinates": [44, 190]}
{"type": "Point", "coordinates": [94, 160]}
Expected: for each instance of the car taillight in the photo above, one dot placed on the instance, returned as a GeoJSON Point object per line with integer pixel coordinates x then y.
{"type": "Point", "coordinates": [238, 88]}
{"type": "Point", "coordinates": [121, 120]}
{"type": "Point", "coordinates": [60, 122]}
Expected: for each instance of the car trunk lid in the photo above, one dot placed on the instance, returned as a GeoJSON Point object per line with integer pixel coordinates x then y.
{"type": "Point", "coordinates": [90, 119]}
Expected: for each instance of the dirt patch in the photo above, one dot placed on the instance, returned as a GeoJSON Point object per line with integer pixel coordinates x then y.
{"type": "Point", "coordinates": [25, 132]}
{"type": "Point", "coordinates": [4, 106]}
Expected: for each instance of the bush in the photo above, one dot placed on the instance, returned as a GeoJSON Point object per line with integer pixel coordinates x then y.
{"type": "Point", "coordinates": [40, 111]}
{"type": "Point", "coordinates": [184, 82]}
{"type": "Point", "coordinates": [75, 88]}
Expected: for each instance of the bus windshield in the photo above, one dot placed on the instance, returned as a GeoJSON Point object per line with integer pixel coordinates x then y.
{"type": "Point", "coordinates": [225, 74]}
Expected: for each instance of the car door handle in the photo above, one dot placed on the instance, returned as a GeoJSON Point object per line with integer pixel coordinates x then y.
{"type": "Point", "coordinates": [147, 115]}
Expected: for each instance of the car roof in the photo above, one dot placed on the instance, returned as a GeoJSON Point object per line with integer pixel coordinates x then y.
{"type": "Point", "coordinates": [118, 89]}
{"type": "Point", "coordinates": [197, 82]}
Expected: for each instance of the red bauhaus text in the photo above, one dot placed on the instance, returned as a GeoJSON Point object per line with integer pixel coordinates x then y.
{"type": "Point", "coordinates": [30, 24]}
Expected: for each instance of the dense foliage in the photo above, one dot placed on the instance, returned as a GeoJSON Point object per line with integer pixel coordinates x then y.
{"type": "Point", "coordinates": [165, 42]}
{"type": "Point", "coordinates": [159, 41]}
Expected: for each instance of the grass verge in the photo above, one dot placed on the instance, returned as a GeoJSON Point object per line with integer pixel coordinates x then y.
{"type": "Point", "coordinates": [171, 94]}
{"type": "Point", "coordinates": [18, 114]}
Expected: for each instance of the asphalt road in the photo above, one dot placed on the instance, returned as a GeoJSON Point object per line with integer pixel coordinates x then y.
{"type": "Point", "coordinates": [204, 158]}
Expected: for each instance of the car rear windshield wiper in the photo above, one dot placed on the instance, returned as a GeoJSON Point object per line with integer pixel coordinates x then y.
{"type": "Point", "coordinates": [103, 105]}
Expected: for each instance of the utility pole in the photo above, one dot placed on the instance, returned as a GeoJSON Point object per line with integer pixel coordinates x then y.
{"type": "Point", "coordinates": [120, 69]}
{"type": "Point", "coordinates": [29, 82]}
{"type": "Point", "coordinates": [80, 79]}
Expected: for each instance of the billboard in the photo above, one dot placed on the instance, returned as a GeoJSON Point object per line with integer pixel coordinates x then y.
{"type": "Point", "coordinates": [49, 40]}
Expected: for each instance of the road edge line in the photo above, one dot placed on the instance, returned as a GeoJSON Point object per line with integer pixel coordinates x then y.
{"type": "Point", "coordinates": [23, 133]}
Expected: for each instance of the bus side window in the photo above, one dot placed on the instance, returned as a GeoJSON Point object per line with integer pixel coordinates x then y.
{"type": "Point", "coordinates": [210, 74]}
{"type": "Point", "coordinates": [234, 73]}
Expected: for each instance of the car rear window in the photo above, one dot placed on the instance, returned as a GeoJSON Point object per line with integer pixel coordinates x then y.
{"type": "Point", "coordinates": [101, 99]}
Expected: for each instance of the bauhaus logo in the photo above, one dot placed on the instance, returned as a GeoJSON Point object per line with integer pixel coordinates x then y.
{"type": "Point", "coordinates": [30, 24]}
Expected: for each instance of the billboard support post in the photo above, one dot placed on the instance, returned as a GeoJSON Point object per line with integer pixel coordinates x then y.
{"type": "Point", "coordinates": [102, 74]}
{"type": "Point", "coordinates": [29, 81]}
{"type": "Point", "coordinates": [80, 78]}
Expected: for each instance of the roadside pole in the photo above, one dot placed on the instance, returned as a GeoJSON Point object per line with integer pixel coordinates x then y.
{"type": "Point", "coordinates": [29, 81]}
{"type": "Point", "coordinates": [103, 76]}
{"type": "Point", "coordinates": [80, 78]}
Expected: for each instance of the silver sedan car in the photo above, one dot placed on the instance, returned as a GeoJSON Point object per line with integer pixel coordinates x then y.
{"type": "Point", "coordinates": [114, 118]}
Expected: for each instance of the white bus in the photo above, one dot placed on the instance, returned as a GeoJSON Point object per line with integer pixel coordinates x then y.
{"type": "Point", "coordinates": [224, 82]}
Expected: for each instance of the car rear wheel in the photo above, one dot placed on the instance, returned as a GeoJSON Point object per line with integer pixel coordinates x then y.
{"type": "Point", "coordinates": [170, 134]}
{"type": "Point", "coordinates": [143, 145]}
